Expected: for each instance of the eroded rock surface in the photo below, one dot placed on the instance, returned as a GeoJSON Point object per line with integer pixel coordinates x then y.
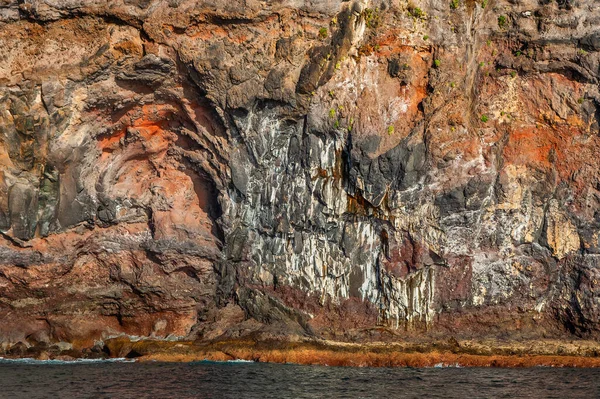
{"type": "Point", "coordinates": [363, 170]}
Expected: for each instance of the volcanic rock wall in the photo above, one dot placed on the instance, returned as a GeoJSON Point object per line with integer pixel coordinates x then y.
{"type": "Point", "coordinates": [340, 169]}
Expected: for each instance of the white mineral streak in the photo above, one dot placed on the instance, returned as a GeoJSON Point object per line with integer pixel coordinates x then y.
{"type": "Point", "coordinates": [561, 233]}
{"type": "Point", "coordinates": [320, 246]}
{"type": "Point", "coordinates": [411, 298]}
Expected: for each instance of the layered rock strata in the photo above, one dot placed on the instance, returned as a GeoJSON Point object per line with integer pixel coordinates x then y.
{"type": "Point", "coordinates": [366, 170]}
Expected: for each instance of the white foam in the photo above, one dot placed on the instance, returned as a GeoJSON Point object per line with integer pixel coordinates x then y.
{"type": "Point", "coordinates": [226, 361]}
{"type": "Point", "coordinates": [444, 365]}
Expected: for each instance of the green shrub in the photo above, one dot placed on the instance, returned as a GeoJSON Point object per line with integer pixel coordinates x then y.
{"type": "Point", "coordinates": [454, 4]}
{"type": "Point", "coordinates": [484, 3]}
{"type": "Point", "coordinates": [416, 12]}
{"type": "Point", "coordinates": [350, 124]}
{"type": "Point", "coordinates": [426, 37]}
{"type": "Point", "coordinates": [371, 17]}
{"type": "Point", "coordinates": [513, 74]}
{"type": "Point", "coordinates": [484, 118]}
{"type": "Point", "coordinates": [390, 130]}
{"type": "Point", "coordinates": [323, 33]}
{"type": "Point", "coordinates": [437, 63]}
{"type": "Point", "coordinates": [502, 21]}
{"type": "Point", "coordinates": [332, 113]}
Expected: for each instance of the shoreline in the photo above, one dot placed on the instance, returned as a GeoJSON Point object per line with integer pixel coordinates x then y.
{"type": "Point", "coordinates": [306, 351]}
{"type": "Point", "coordinates": [329, 353]}
{"type": "Point", "coordinates": [398, 360]}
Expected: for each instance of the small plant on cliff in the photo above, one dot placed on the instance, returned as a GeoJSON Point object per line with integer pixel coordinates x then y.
{"type": "Point", "coordinates": [484, 3]}
{"type": "Point", "coordinates": [580, 100]}
{"type": "Point", "coordinates": [323, 33]}
{"type": "Point", "coordinates": [484, 118]}
{"type": "Point", "coordinates": [502, 21]}
{"type": "Point", "coordinates": [332, 113]}
{"type": "Point", "coordinates": [454, 4]}
{"type": "Point", "coordinates": [426, 37]}
{"type": "Point", "coordinates": [336, 125]}
{"type": "Point", "coordinates": [513, 74]}
{"type": "Point", "coordinates": [415, 11]}
{"type": "Point", "coordinates": [390, 130]}
{"type": "Point", "coordinates": [437, 63]}
{"type": "Point", "coordinates": [371, 17]}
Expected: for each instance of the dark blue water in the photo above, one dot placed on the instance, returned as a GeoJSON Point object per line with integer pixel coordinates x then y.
{"type": "Point", "coordinates": [260, 380]}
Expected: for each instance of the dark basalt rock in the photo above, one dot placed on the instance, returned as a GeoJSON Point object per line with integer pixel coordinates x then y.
{"type": "Point", "coordinates": [200, 170]}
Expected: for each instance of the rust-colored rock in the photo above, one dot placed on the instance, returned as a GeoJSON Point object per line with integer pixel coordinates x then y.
{"type": "Point", "coordinates": [195, 171]}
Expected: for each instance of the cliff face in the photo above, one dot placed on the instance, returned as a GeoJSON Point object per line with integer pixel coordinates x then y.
{"type": "Point", "coordinates": [218, 168]}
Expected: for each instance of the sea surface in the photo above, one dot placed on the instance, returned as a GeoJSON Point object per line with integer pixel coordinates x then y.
{"type": "Point", "coordinates": [102, 379]}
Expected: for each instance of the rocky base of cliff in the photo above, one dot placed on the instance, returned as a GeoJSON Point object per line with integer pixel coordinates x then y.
{"type": "Point", "coordinates": [302, 350]}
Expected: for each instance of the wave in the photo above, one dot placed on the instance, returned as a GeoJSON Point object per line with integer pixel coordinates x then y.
{"type": "Point", "coordinates": [206, 361]}
{"type": "Point", "coordinates": [445, 365]}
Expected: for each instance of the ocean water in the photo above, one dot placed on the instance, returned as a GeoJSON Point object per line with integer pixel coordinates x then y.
{"type": "Point", "coordinates": [30, 379]}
